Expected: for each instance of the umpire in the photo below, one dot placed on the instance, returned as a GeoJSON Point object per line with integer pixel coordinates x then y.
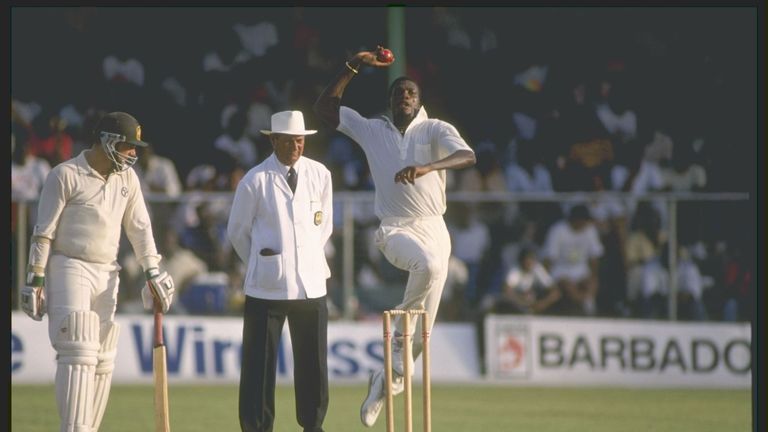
{"type": "Point", "coordinates": [280, 221]}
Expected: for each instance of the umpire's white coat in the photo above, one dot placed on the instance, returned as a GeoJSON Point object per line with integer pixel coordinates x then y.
{"type": "Point", "coordinates": [266, 214]}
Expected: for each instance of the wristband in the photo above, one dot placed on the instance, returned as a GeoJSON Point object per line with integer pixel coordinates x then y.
{"type": "Point", "coordinates": [35, 280]}
{"type": "Point", "coordinates": [349, 66]}
{"type": "Point", "coordinates": [151, 273]}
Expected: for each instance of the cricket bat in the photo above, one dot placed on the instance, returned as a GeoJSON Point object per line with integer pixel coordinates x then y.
{"type": "Point", "coordinates": [160, 375]}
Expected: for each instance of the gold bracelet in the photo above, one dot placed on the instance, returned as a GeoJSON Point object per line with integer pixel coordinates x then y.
{"type": "Point", "coordinates": [349, 66]}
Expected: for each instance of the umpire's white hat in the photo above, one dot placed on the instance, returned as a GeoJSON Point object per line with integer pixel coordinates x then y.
{"type": "Point", "coordinates": [289, 123]}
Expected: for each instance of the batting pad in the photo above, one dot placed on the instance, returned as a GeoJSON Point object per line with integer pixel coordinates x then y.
{"type": "Point", "coordinates": [77, 345]}
{"type": "Point", "coordinates": [104, 368]}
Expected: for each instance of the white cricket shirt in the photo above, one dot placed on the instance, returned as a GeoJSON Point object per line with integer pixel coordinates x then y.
{"type": "Point", "coordinates": [82, 213]}
{"type": "Point", "coordinates": [570, 251]}
{"type": "Point", "coordinates": [426, 140]}
{"type": "Point", "coordinates": [526, 281]}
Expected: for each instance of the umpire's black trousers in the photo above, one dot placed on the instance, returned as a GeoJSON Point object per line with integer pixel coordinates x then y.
{"type": "Point", "coordinates": [262, 325]}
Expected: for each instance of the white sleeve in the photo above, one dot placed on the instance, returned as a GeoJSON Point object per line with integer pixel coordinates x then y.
{"type": "Point", "coordinates": [449, 140]}
{"type": "Point", "coordinates": [355, 126]}
{"type": "Point", "coordinates": [241, 218]}
{"type": "Point", "coordinates": [39, 250]}
{"type": "Point", "coordinates": [138, 226]}
{"type": "Point", "coordinates": [327, 203]}
{"type": "Point", "coordinates": [53, 198]}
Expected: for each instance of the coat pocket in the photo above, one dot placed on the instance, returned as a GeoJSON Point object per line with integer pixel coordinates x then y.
{"type": "Point", "coordinates": [269, 272]}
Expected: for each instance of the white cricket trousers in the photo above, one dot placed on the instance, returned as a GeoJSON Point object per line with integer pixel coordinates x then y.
{"type": "Point", "coordinates": [76, 285]}
{"type": "Point", "coordinates": [422, 247]}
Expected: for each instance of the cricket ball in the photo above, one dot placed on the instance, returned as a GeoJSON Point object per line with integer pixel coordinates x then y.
{"type": "Point", "coordinates": [384, 55]}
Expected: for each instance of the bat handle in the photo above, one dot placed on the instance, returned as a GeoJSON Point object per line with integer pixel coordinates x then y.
{"type": "Point", "coordinates": [158, 325]}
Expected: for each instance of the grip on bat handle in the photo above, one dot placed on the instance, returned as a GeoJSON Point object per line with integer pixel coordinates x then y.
{"type": "Point", "coordinates": [158, 337]}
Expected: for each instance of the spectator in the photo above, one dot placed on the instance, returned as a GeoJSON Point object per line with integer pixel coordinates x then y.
{"type": "Point", "coordinates": [73, 116]}
{"type": "Point", "coordinates": [572, 250]}
{"type": "Point", "coordinates": [584, 146]}
{"type": "Point", "coordinates": [646, 275]}
{"type": "Point", "coordinates": [50, 140]}
{"type": "Point", "coordinates": [528, 287]}
{"type": "Point", "coordinates": [690, 287]}
{"type": "Point", "coordinates": [685, 174]}
{"type": "Point", "coordinates": [347, 162]}
{"type": "Point", "coordinates": [158, 176]}
{"type": "Point", "coordinates": [452, 299]}
{"type": "Point", "coordinates": [738, 286]}
{"type": "Point", "coordinates": [24, 113]}
{"type": "Point", "coordinates": [471, 239]}
{"type": "Point", "coordinates": [613, 110]}
{"type": "Point", "coordinates": [234, 141]}
{"type": "Point", "coordinates": [610, 217]}
{"type": "Point", "coordinates": [181, 263]}
{"type": "Point", "coordinates": [626, 164]}
{"type": "Point", "coordinates": [82, 134]}
{"type": "Point", "coordinates": [157, 173]}
{"type": "Point", "coordinates": [257, 118]}
{"type": "Point", "coordinates": [124, 77]}
{"type": "Point", "coordinates": [207, 238]}
{"type": "Point", "coordinates": [648, 176]}
{"type": "Point", "coordinates": [129, 70]}
{"type": "Point", "coordinates": [661, 145]}
{"type": "Point", "coordinates": [201, 180]}
{"type": "Point", "coordinates": [256, 39]}
{"type": "Point", "coordinates": [487, 175]}
{"type": "Point", "coordinates": [28, 172]}
{"type": "Point", "coordinates": [527, 173]}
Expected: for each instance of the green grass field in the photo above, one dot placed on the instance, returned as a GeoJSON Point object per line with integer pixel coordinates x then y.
{"type": "Point", "coordinates": [460, 408]}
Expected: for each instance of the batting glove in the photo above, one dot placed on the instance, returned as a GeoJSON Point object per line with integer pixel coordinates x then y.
{"type": "Point", "coordinates": [33, 296]}
{"type": "Point", "coordinates": [159, 288]}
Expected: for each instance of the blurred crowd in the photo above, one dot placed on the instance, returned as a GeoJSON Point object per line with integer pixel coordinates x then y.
{"type": "Point", "coordinates": [615, 109]}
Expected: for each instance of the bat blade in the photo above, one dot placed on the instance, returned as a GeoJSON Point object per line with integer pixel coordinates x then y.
{"type": "Point", "coordinates": [160, 375]}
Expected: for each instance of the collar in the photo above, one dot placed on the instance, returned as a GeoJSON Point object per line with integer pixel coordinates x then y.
{"type": "Point", "coordinates": [283, 169]}
{"type": "Point", "coordinates": [420, 117]}
{"type": "Point", "coordinates": [83, 166]}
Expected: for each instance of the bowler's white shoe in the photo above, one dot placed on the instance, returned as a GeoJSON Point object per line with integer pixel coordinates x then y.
{"type": "Point", "coordinates": [397, 358]}
{"type": "Point", "coordinates": [373, 403]}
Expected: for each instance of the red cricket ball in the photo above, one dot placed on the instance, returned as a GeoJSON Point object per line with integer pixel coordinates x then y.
{"type": "Point", "coordinates": [385, 55]}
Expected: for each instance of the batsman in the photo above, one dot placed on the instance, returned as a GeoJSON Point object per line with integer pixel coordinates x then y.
{"type": "Point", "coordinates": [72, 270]}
